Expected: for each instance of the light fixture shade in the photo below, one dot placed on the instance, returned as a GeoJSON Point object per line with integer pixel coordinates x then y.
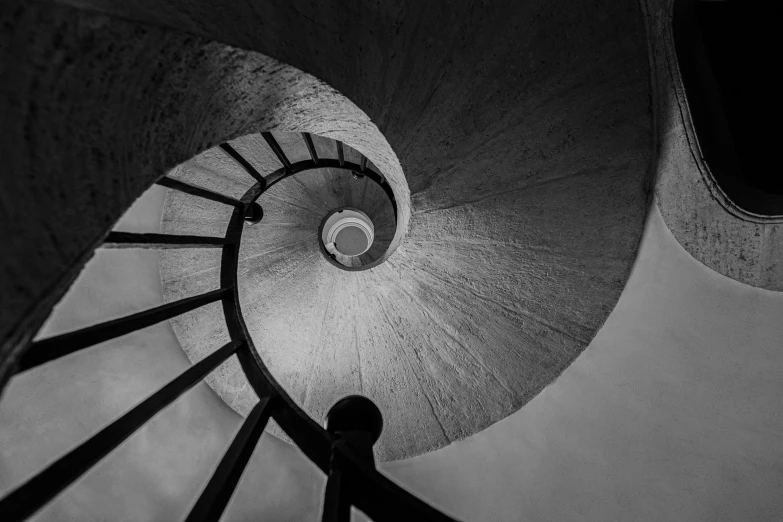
{"type": "Point", "coordinates": [344, 219]}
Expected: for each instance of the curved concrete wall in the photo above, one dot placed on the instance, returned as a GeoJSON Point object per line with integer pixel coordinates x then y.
{"type": "Point", "coordinates": [477, 103]}
{"type": "Point", "coordinates": [484, 303]}
{"type": "Point", "coordinates": [672, 413]}
{"type": "Point", "coordinates": [95, 109]}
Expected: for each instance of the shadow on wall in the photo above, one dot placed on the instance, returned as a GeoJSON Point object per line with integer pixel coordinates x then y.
{"type": "Point", "coordinates": [157, 473]}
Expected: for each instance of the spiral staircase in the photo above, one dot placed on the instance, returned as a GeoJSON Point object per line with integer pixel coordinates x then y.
{"type": "Point", "coordinates": [507, 202]}
{"type": "Point", "coordinates": [398, 333]}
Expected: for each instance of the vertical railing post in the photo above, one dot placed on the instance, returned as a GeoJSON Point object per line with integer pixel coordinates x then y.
{"type": "Point", "coordinates": [337, 500]}
{"type": "Point", "coordinates": [356, 423]}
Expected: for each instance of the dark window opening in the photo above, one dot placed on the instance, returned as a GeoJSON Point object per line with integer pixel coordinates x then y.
{"type": "Point", "coordinates": [731, 87]}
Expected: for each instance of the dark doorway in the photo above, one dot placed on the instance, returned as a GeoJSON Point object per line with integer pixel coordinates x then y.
{"type": "Point", "coordinates": [729, 68]}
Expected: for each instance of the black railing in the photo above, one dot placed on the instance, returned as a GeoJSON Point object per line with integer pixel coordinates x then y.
{"type": "Point", "coordinates": [343, 451]}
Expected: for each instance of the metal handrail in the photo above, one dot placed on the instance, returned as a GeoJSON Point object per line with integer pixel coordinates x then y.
{"type": "Point", "coordinates": [353, 479]}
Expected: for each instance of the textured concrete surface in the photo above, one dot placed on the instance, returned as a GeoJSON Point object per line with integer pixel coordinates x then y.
{"type": "Point", "coordinates": [736, 243]}
{"type": "Point", "coordinates": [279, 262]}
{"type": "Point", "coordinates": [537, 91]}
{"type": "Point", "coordinates": [482, 305]}
{"type": "Point", "coordinates": [86, 95]}
{"type": "Point", "coordinates": [523, 131]}
{"type": "Point", "coordinates": [673, 413]}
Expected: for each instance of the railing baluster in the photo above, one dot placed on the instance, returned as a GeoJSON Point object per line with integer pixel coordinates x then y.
{"type": "Point", "coordinates": [33, 494]}
{"type": "Point", "coordinates": [384, 501]}
{"type": "Point", "coordinates": [134, 240]}
{"type": "Point", "coordinates": [337, 503]}
{"type": "Point", "coordinates": [356, 424]}
{"type": "Point", "coordinates": [231, 151]}
{"type": "Point", "coordinates": [216, 495]}
{"type": "Point", "coordinates": [310, 146]}
{"type": "Point", "coordinates": [272, 142]}
{"type": "Point", "coordinates": [47, 350]}
{"type": "Point", "coordinates": [198, 191]}
{"type": "Point", "coordinates": [340, 153]}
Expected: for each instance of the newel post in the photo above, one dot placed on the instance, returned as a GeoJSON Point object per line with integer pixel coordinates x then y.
{"type": "Point", "coordinates": [356, 423]}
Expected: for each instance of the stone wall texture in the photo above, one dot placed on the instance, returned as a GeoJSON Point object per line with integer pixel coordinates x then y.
{"type": "Point", "coordinates": [517, 139]}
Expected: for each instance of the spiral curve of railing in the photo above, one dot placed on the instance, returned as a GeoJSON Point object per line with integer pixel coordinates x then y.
{"type": "Point", "coordinates": [342, 450]}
